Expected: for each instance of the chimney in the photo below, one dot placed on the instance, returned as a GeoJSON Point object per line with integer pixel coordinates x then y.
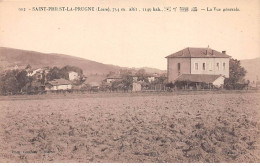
{"type": "Point", "coordinates": [223, 52]}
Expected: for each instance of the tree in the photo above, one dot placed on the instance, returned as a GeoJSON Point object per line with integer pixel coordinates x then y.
{"type": "Point", "coordinates": [53, 74]}
{"type": "Point", "coordinates": [127, 81]}
{"type": "Point", "coordinates": [28, 67]}
{"type": "Point", "coordinates": [117, 85]}
{"type": "Point", "coordinates": [236, 74]}
{"type": "Point", "coordinates": [43, 78]}
{"type": "Point", "coordinates": [22, 79]}
{"type": "Point", "coordinates": [142, 75]}
{"type": "Point", "coordinates": [57, 73]}
{"type": "Point", "coordinates": [13, 81]}
{"type": "Point", "coordinates": [8, 82]}
{"type": "Point", "coordinates": [160, 80]}
{"type": "Point", "coordinates": [140, 72]}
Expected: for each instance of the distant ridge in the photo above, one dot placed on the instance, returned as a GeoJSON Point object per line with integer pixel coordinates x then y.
{"type": "Point", "coordinates": [10, 57]}
{"type": "Point", "coordinates": [252, 67]}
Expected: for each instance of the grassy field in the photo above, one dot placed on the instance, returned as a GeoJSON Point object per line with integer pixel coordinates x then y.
{"type": "Point", "coordinates": [131, 127]}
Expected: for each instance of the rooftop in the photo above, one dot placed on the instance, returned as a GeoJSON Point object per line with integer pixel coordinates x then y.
{"type": "Point", "coordinates": [198, 53]}
{"type": "Point", "coordinates": [114, 76]}
{"type": "Point", "coordinates": [60, 81]}
{"type": "Point", "coordinates": [206, 78]}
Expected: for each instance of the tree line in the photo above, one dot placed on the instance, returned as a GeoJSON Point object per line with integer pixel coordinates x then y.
{"type": "Point", "coordinates": [17, 81]}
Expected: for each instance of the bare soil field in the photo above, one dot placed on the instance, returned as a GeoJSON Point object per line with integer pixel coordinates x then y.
{"type": "Point", "coordinates": [197, 127]}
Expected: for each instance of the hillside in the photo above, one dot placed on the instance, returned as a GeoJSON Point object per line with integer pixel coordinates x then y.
{"type": "Point", "coordinates": [10, 57]}
{"type": "Point", "coordinates": [151, 70]}
{"type": "Point", "coordinates": [252, 67]}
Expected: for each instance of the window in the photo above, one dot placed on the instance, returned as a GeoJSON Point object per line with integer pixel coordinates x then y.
{"type": "Point", "coordinates": [196, 66]}
{"type": "Point", "coordinates": [203, 66]}
{"type": "Point", "coordinates": [217, 66]}
{"type": "Point", "coordinates": [224, 66]}
{"type": "Point", "coordinates": [210, 66]}
{"type": "Point", "coordinates": [179, 67]}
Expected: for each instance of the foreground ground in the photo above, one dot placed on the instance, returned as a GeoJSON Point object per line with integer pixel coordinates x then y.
{"type": "Point", "coordinates": [194, 127]}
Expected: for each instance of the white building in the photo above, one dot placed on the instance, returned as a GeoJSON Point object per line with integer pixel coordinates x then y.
{"type": "Point", "coordinates": [151, 78]}
{"type": "Point", "coordinates": [33, 72]}
{"type": "Point", "coordinates": [73, 76]}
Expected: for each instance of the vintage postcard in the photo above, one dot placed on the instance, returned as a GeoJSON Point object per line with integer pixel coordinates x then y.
{"type": "Point", "coordinates": [130, 81]}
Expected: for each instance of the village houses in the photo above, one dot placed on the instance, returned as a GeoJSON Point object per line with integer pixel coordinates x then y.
{"type": "Point", "coordinates": [37, 73]}
{"type": "Point", "coordinates": [199, 65]}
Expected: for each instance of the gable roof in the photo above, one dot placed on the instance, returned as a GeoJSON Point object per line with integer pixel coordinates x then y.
{"type": "Point", "coordinates": [198, 53]}
{"type": "Point", "coordinates": [60, 81]}
{"type": "Point", "coordinates": [114, 76]}
{"type": "Point", "coordinates": [72, 72]}
{"type": "Point", "coordinates": [206, 78]}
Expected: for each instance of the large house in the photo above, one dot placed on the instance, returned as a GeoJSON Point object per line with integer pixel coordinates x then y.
{"type": "Point", "coordinates": [205, 63]}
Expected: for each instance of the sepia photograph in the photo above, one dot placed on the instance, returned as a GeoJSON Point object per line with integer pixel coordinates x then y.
{"type": "Point", "coordinates": [131, 81]}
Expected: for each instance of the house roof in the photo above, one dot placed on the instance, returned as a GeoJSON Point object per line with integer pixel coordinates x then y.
{"type": "Point", "coordinates": [206, 78]}
{"type": "Point", "coordinates": [198, 53]}
{"type": "Point", "coordinates": [60, 81]}
{"type": "Point", "coordinates": [115, 76]}
{"type": "Point", "coordinates": [72, 72]}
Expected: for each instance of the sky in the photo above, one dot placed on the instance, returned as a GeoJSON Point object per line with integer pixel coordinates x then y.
{"type": "Point", "coordinates": [131, 39]}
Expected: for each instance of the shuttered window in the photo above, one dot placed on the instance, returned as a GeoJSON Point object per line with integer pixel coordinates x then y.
{"type": "Point", "coordinates": [196, 66]}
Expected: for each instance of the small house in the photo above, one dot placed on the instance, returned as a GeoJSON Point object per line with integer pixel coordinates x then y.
{"type": "Point", "coordinates": [73, 76]}
{"type": "Point", "coordinates": [58, 84]}
{"type": "Point", "coordinates": [113, 78]}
